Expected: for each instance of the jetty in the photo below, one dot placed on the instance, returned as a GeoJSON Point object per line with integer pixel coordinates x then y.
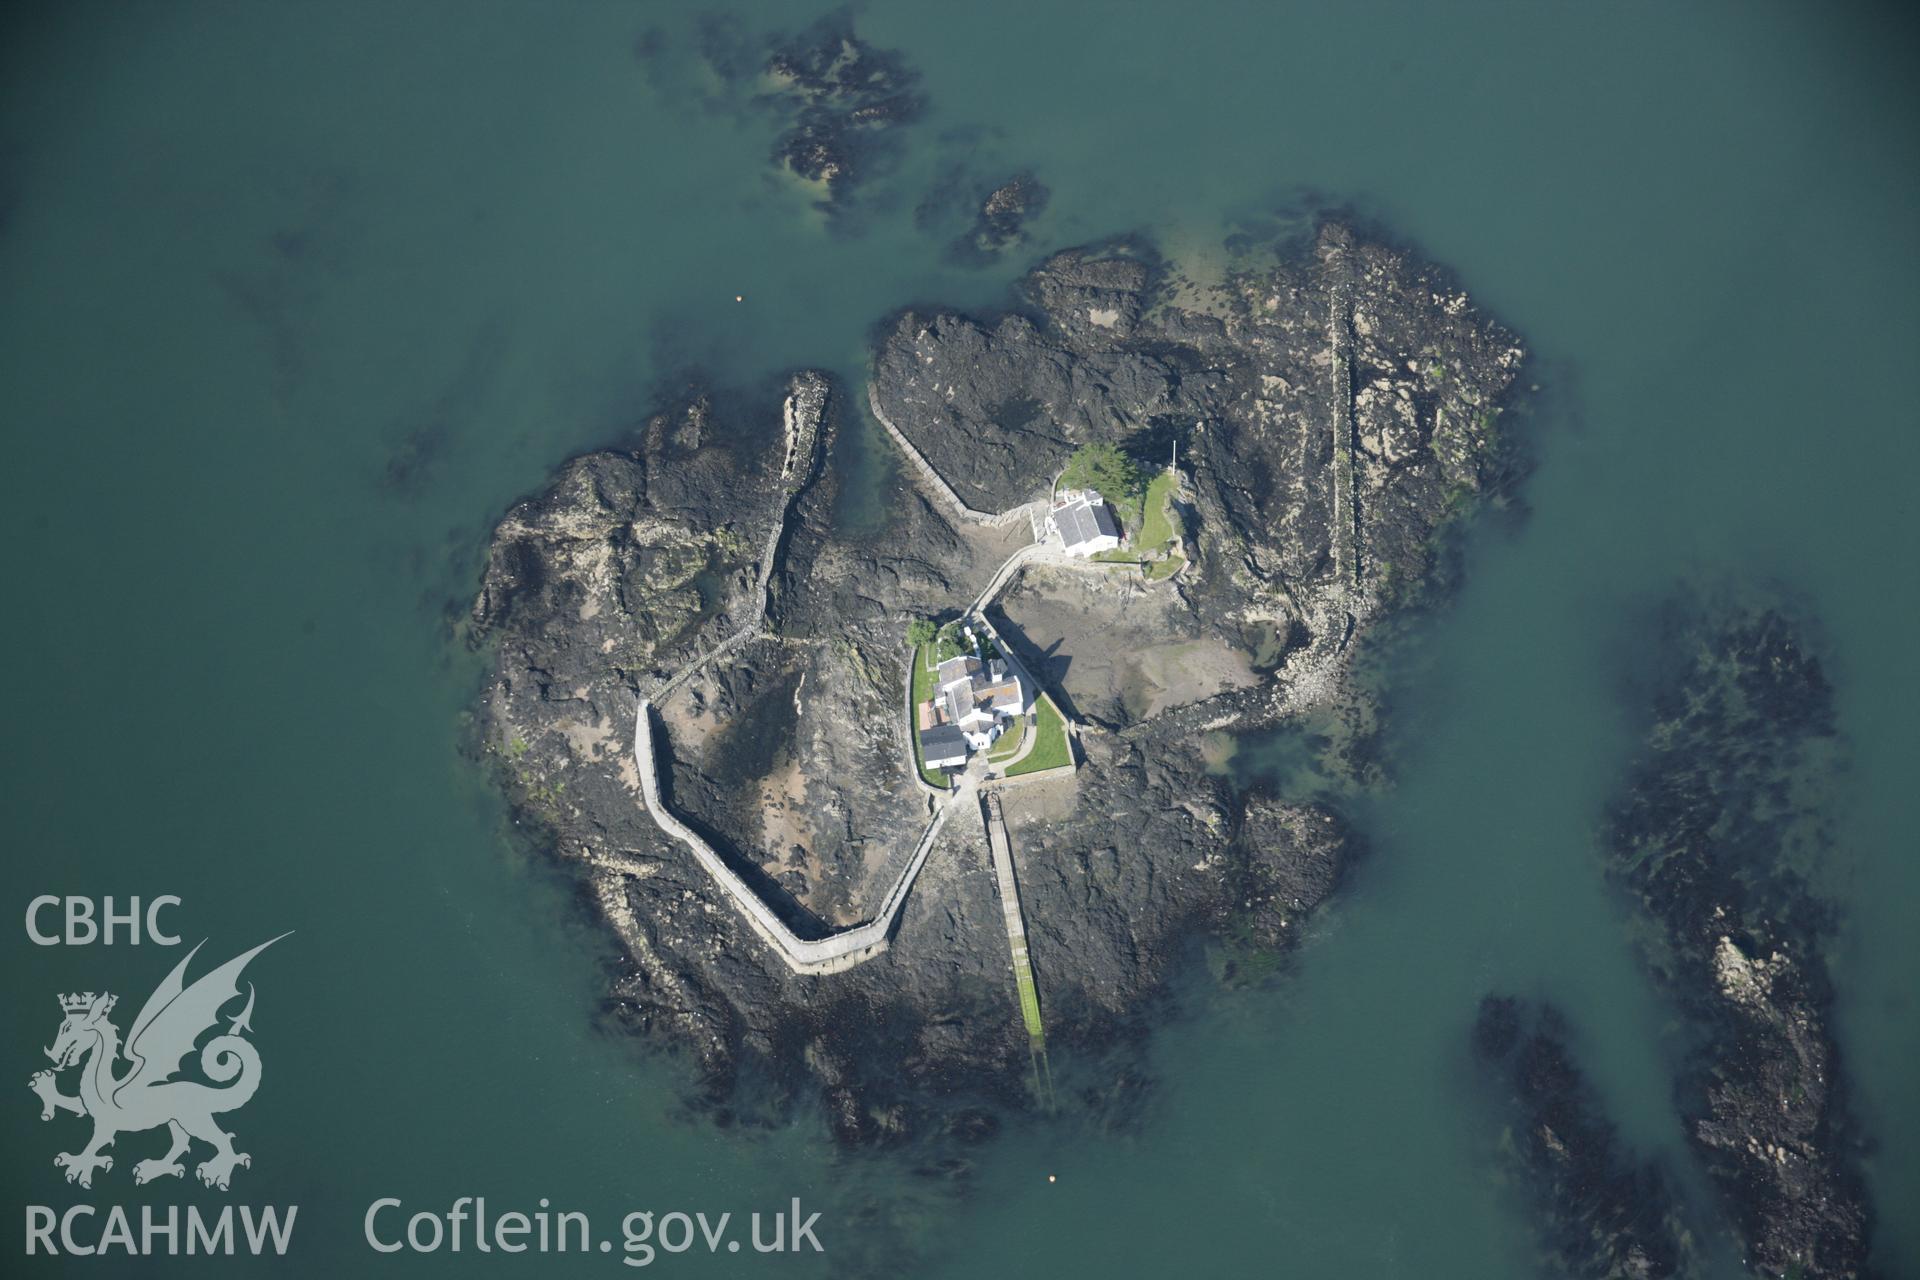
{"type": "Point", "coordinates": [1000, 845]}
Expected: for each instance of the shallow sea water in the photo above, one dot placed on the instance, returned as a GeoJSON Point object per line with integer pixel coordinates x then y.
{"type": "Point", "coordinates": [295, 300]}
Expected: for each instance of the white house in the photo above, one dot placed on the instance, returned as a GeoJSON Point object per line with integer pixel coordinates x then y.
{"type": "Point", "coordinates": [976, 698]}
{"type": "Point", "coordinates": [1085, 523]}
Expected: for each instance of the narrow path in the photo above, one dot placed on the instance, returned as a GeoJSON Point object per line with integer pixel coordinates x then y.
{"type": "Point", "coordinates": [1029, 735]}
{"type": "Point", "coordinates": [848, 947]}
{"type": "Point", "coordinates": [797, 465]}
{"type": "Point", "coordinates": [725, 647]}
{"type": "Point", "coordinates": [1001, 845]}
{"type": "Point", "coordinates": [1005, 574]}
{"type": "Point", "coordinates": [831, 954]}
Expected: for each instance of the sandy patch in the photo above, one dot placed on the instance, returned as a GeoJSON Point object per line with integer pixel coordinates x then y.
{"type": "Point", "coordinates": [783, 817]}
{"type": "Point", "coordinates": [1121, 651]}
{"type": "Point", "coordinates": [591, 743]}
{"type": "Point", "coordinates": [689, 726]}
{"type": "Point", "coordinates": [1049, 799]}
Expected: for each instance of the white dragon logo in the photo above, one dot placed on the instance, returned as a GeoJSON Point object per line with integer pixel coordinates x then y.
{"type": "Point", "coordinates": [147, 1096]}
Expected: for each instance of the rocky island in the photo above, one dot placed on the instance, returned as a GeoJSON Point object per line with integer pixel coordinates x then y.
{"type": "Point", "coordinates": [1314, 419]}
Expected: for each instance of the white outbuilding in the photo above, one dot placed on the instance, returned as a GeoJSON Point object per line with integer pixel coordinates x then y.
{"type": "Point", "coordinates": [1086, 524]}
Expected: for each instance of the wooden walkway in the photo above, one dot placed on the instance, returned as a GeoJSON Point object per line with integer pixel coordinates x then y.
{"type": "Point", "coordinates": [1029, 993]}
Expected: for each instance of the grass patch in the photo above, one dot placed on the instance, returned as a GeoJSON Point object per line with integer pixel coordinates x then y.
{"type": "Point", "coordinates": [1154, 526]}
{"type": "Point", "coordinates": [922, 686]}
{"type": "Point", "coordinates": [1050, 747]}
{"type": "Point", "coordinates": [1009, 744]}
{"type": "Point", "coordinates": [922, 676]}
{"type": "Point", "coordinates": [1157, 524]}
{"type": "Point", "coordinates": [947, 643]}
{"type": "Point", "coordinates": [1161, 570]}
{"type": "Point", "coordinates": [1151, 525]}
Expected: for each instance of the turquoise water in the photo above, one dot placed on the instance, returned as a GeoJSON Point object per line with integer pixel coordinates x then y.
{"type": "Point", "coordinates": [295, 300]}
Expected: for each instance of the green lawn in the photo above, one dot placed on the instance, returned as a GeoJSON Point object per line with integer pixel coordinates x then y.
{"type": "Point", "coordinates": [922, 689]}
{"type": "Point", "coordinates": [1009, 743]}
{"type": "Point", "coordinates": [1157, 525]}
{"type": "Point", "coordinates": [1051, 748]}
{"type": "Point", "coordinates": [1154, 525]}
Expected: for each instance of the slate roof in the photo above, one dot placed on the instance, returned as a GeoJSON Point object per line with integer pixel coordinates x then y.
{"type": "Point", "coordinates": [942, 743]}
{"type": "Point", "coordinates": [1000, 696]}
{"type": "Point", "coordinates": [957, 668]}
{"type": "Point", "coordinates": [1083, 521]}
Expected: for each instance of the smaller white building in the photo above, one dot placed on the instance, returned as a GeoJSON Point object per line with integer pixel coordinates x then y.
{"type": "Point", "coordinates": [1085, 523]}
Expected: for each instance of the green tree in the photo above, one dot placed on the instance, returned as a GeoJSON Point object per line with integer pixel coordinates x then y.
{"type": "Point", "coordinates": [946, 642]}
{"type": "Point", "coordinates": [920, 631]}
{"type": "Point", "coordinates": [1104, 467]}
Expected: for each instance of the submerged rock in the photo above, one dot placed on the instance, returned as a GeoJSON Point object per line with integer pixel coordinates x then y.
{"type": "Point", "coordinates": [1717, 837]}
{"type": "Point", "coordinates": [845, 99]}
{"type": "Point", "coordinates": [1602, 1213]}
{"type": "Point", "coordinates": [1001, 219]}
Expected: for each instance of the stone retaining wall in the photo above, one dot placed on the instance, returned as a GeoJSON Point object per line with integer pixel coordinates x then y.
{"type": "Point", "coordinates": [938, 482]}
{"type": "Point", "coordinates": [832, 954]}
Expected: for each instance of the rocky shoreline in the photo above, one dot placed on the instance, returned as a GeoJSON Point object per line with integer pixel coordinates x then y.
{"type": "Point", "coordinates": [1333, 406]}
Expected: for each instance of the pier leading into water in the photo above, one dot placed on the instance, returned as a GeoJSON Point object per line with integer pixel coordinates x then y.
{"type": "Point", "coordinates": [1001, 846]}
